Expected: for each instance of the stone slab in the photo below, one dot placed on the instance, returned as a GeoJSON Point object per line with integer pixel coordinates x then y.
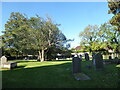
{"type": "Point", "coordinates": [9, 65]}
{"type": "Point", "coordinates": [81, 76]}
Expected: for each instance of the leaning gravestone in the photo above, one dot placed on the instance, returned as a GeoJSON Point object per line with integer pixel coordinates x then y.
{"type": "Point", "coordinates": [98, 61]}
{"type": "Point", "coordinates": [86, 57]}
{"type": "Point", "coordinates": [76, 65]}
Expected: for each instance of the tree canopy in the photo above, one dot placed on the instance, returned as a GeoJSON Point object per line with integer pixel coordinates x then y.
{"type": "Point", "coordinates": [97, 38]}
{"type": "Point", "coordinates": [114, 8]}
{"type": "Point", "coordinates": [23, 35]}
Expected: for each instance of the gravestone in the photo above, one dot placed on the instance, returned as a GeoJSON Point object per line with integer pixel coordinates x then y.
{"type": "Point", "coordinates": [3, 60]}
{"type": "Point", "coordinates": [81, 57]}
{"type": "Point", "coordinates": [116, 60]}
{"type": "Point", "coordinates": [86, 57]}
{"type": "Point", "coordinates": [98, 61]}
{"type": "Point", "coordinates": [8, 65]}
{"type": "Point", "coordinates": [110, 58]}
{"type": "Point", "coordinates": [76, 65]}
{"type": "Point", "coordinates": [93, 58]}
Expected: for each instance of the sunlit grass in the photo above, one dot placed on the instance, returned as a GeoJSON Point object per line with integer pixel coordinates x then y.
{"type": "Point", "coordinates": [57, 74]}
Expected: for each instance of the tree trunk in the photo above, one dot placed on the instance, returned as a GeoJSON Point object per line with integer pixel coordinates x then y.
{"type": "Point", "coordinates": [42, 58]}
{"type": "Point", "coordinates": [39, 55]}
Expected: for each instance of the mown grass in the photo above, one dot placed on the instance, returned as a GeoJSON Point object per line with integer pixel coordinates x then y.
{"type": "Point", "coordinates": [57, 74]}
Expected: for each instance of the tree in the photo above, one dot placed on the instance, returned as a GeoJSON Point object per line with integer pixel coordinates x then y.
{"type": "Point", "coordinates": [109, 36]}
{"type": "Point", "coordinates": [15, 33]}
{"type": "Point", "coordinates": [35, 33]}
{"type": "Point", "coordinates": [89, 36]}
{"type": "Point", "coordinates": [114, 6]}
{"type": "Point", "coordinates": [100, 38]}
{"type": "Point", "coordinates": [44, 34]}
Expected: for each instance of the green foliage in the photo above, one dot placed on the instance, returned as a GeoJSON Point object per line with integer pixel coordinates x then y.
{"type": "Point", "coordinates": [30, 35]}
{"type": "Point", "coordinates": [96, 38]}
{"type": "Point", "coordinates": [16, 33]}
{"type": "Point", "coordinates": [114, 6]}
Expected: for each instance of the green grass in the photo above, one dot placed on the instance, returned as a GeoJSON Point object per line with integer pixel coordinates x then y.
{"type": "Point", "coordinates": [57, 74]}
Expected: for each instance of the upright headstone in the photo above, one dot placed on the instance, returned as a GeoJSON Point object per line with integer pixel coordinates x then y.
{"type": "Point", "coordinates": [110, 58]}
{"type": "Point", "coordinates": [116, 60]}
{"type": "Point", "coordinates": [3, 60]}
{"type": "Point", "coordinates": [86, 57]}
{"type": "Point", "coordinates": [98, 61]}
{"type": "Point", "coordinates": [81, 57]}
{"type": "Point", "coordinates": [93, 58]}
{"type": "Point", "coordinates": [76, 65]}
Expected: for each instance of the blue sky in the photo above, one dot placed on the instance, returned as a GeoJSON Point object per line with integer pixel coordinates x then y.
{"type": "Point", "coordinates": [73, 16]}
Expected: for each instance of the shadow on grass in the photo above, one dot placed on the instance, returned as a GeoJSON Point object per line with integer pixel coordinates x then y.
{"type": "Point", "coordinates": [63, 60]}
{"type": "Point", "coordinates": [21, 67]}
{"type": "Point", "coordinates": [55, 76]}
{"type": "Point", "coordinates": [118, 77]}
{"type": "Point", "coordinates": [28, 61]}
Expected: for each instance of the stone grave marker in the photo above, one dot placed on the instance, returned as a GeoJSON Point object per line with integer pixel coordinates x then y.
{"type": "Point", "coordinates": [87, 57]}
{"type": "Point", "coordinates": [76, 65]}
{"type": "Point", "coordinates": [8, 65]}
{"type": "Point", "coordinates": [116, 60]}
{"type": "Point", "coordinates": [93, 58]}
{"type": "Point", "coordinates": [98, 61]}
{"type": "Point", "coordinates": [81, 57]}
{"type": "Point", "coordinates": [3, 60]}
{"type": "Point", "coordinates": [110, 58]}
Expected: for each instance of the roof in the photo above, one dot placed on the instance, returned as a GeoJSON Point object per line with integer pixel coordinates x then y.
{"type": "Point", "coordinates": [78, 48]}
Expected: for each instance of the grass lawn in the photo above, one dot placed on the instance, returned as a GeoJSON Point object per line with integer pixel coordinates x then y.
{"type": "Point", "coordinates": [58, 74]}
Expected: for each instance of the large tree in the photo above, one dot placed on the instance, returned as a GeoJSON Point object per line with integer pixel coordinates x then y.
{"type": "Point", "coordinates": [44, 34]}
{"type": "Point", "coordinates": [100, 38]}
{"type": "Point", "coordinates": [114, 6]}
{"type": "Point", "coordinates": [109, 36]}
{"type": "Point", "coordinates": [89, 37]}
{"type": "Point", "coordinates": [35, 33]}
{"type": "Point", "coordinates": [15, 33]}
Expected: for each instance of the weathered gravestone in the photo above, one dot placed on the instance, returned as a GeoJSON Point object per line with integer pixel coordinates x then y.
{"type": "Point", "coordinates": [86, 57]}
{"type": "Point", "coordinates": [98, 61]}
{"type": "Point", "coordinates": [76, 65]}
{"type": "Point", "coordinates": [8, 65]}
{"type": "Point", "coordinates": [3, 60]}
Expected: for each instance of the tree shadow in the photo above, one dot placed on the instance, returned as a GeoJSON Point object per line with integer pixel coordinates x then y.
{"type": "Point", "coordinates": [28, 61]}
{"type": "Point", "coordinates": [50, 76]}
{"type": "Point", "coordinates": [43, 76]}
{"type": "Point", "coordinates": [21, 67]}
{"type": "Point", "coordinates": [64, 60]}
